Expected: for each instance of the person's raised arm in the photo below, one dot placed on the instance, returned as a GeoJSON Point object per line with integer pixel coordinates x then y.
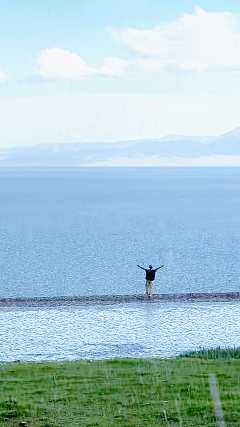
{"type": "Point", "coordinates": [159, 267]}
{"type": "Point", "coordinates": [141, 267]}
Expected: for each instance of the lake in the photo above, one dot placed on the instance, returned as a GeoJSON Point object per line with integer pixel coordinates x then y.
{"type": "Point", "coordinates": [82, 231]}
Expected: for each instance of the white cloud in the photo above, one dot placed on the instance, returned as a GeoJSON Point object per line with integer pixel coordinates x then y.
{"type": "Point", "coordinates": [204, 41]}
{"type": "Point", "coordinates": [60, 64]}
{"type": "Point", "coordinates": [114, 67]}
{"type": "Point", "coordinates": [3, 77]}
{"type": "Point", "coordinates": [200, 42]}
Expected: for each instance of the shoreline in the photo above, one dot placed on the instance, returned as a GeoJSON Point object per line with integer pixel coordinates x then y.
{"type": "Point", "coordinates": [111, 299]}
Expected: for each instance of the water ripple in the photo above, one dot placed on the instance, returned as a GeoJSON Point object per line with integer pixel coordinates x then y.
{"type": "Point", "coordinates": [123, 330]}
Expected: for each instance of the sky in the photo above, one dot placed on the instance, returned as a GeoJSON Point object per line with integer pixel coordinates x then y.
{"type": "Point", "coordinates": [111, 70]}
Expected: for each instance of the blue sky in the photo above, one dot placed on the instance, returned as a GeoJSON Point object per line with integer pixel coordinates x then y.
{"type": "Point", "coordinates": [110, 70]}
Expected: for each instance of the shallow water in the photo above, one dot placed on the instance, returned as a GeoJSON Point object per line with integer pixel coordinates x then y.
{"type": "Point", "coordinates": [83, 231]}
{"type": "Point", "coordinates": [117, 330]}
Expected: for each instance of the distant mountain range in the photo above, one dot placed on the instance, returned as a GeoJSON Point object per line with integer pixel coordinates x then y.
{"type": "Point", "coordinates": [223, 150]}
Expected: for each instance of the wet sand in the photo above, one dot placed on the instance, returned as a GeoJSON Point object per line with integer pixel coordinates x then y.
{"type": "Point", "coordinates": [112, 299]}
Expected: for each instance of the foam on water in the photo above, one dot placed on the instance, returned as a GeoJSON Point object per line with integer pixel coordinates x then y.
{"type": "Point", "coordinates": [123, 330]}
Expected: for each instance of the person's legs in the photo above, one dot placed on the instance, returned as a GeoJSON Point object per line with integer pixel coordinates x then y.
{"type": "Point", "coordinates": [149, 288]}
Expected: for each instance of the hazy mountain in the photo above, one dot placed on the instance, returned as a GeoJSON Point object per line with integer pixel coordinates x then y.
{"type": "Point", "coordinates": [165, 150]}
{"type": "Point", "coordinates": [235, 132]}
{"type": "Point", "coordinates": [201, 138]}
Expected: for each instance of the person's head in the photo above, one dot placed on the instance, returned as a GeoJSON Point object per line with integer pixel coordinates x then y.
{"type": "Point", "coordinates": [150, 267]}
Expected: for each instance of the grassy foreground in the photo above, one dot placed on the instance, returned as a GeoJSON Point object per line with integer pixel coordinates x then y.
{"type": "Point", "coordinates": [127, 392]}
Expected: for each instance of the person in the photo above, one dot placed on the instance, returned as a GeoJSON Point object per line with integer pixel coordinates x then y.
{"type": "Point", "coordinates": [150, 276]}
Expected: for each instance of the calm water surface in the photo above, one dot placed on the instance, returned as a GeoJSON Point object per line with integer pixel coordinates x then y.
{"type": "Point", "coordinates": [121, 330]}
{"type": "Point", "coordinates": [69, 232]}
{"type": "Point", "coordinates": [83, 231]}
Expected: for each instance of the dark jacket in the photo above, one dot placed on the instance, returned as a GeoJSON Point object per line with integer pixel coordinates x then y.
{"type": "Point", "coordinates": [150, 273]}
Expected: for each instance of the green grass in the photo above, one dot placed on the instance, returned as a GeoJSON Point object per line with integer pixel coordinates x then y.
{"type": "Point", "coordinates": [123, 392]}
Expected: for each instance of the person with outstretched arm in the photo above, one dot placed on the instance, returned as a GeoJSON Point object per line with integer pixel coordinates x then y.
{"type": "Point", "coordinates": [150, 276]}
